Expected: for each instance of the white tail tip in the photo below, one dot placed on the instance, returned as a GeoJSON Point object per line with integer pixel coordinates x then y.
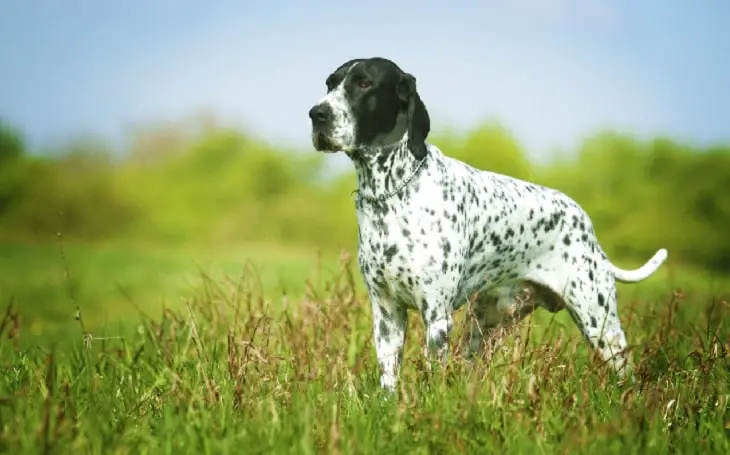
{"type": "Point", "coordinates": [643, 272]}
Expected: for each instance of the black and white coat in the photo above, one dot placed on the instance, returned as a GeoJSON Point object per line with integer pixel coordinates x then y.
{"type": "Point", "coordinates": [434, 231]}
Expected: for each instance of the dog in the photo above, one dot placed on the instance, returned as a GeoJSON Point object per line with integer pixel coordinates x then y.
{"type": "Point", "coordinates": [434, 231]}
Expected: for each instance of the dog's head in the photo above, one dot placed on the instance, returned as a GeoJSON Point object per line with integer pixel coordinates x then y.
{"type": "Point", "coordinates": [370, 103]}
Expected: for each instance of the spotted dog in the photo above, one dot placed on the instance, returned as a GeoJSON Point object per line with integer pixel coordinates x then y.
{"type": "Point", "coordinates": [434, 231]}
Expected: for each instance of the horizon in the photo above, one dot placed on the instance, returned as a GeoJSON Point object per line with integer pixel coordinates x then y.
{"type": "Point", "coordinates": [551, 72]}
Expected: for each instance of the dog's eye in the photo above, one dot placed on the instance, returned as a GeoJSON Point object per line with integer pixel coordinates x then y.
{"type": "Point", "coordinates": [363, 84]}
{"type": "Point", "coordinates": [330, 83]}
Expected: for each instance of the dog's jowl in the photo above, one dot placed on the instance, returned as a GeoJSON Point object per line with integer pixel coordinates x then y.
{"type": "Point", "coordinates": [433, 230]}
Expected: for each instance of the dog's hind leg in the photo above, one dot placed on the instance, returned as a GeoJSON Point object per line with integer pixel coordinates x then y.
{"type": "Point", "coordinates": [589, 296]}
{"type": "Point", "coordinates": [595, 312]}
{"type": "Point", "coordinates": [498, 309]}
{"type": "Point", "coordinates": [479, 326]}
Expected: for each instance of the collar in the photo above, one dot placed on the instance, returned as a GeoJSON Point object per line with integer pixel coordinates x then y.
{"type": "Point", "coordinates": [359, 199]}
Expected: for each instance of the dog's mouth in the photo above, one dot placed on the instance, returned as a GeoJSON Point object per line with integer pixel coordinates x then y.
{"type": "Point", "coordinates": [322, 143]}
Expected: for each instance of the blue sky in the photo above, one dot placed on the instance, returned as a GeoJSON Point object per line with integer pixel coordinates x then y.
{"type": "Point", "coordinates": [551, 71]}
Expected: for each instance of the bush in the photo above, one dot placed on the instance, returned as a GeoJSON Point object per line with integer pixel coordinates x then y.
{"type": "Point", "coordinates": [208, 183]}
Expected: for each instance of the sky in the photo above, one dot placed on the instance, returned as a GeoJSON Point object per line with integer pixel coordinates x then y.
{"type": "Point", "coordinates": [551, 71]}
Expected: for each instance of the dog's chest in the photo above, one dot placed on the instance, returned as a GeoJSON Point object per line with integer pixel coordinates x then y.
{"type": "Point", "coordinates": [406, 245]}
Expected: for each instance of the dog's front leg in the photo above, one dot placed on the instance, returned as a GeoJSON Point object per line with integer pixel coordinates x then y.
{"type": "Point", "coordinates": [438, 321]}
{"type": "Point", "coordinates": [389, 334]}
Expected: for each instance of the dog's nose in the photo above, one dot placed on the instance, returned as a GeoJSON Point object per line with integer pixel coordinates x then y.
{"type": "Point", "coordinates": [319, 114]}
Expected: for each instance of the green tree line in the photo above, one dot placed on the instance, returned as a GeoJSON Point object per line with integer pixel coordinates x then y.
{"type": "Point", "coordinates": [199, 181]}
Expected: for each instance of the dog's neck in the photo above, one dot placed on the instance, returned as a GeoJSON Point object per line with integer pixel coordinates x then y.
{"type": "Point", "coordinates": [385, 172]}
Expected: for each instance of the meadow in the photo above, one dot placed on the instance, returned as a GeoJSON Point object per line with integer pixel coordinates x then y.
{"type": "Point", "coordinates": [201, 296]}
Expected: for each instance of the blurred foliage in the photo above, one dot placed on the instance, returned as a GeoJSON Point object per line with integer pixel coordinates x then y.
{"type": "Point", "coordinates": [200, 182]}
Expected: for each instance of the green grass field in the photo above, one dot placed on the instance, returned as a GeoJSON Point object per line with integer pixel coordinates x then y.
{"type": "Point", "coordinates": [267, 350]}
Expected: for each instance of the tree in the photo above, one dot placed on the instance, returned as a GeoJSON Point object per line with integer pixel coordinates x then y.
{"type": "Point", "coordinates": [12, 143]}
{"type": "Point", "coordinates": [489, 147]}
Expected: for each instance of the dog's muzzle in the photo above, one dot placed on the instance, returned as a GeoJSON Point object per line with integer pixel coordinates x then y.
{"type": "Point", "coordinates": [321, 116]}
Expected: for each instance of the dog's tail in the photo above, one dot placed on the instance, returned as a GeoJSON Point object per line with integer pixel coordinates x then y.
{"type": "Point", "coordinates": [643, 272]}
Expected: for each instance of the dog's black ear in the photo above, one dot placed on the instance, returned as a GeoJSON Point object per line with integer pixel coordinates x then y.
{"type": "Point", "coordinates": [419, 123]}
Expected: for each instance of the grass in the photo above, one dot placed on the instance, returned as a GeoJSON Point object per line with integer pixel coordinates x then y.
{"type": "Point", "coordinates": [112, 281]}
{"type": "Point", "coordinates": [236, 366]}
